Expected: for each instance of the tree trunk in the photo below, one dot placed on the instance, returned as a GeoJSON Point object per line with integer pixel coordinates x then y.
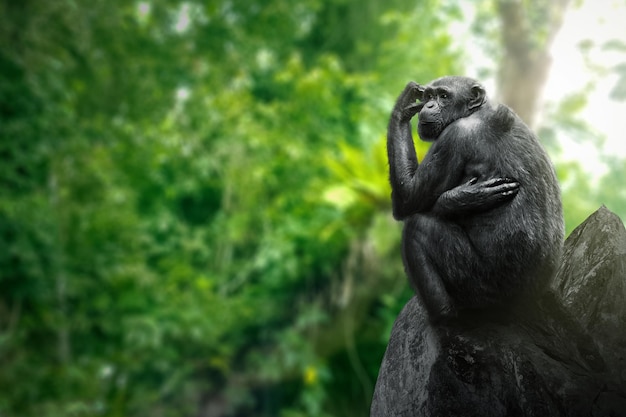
{"type": "Point", "coordinates": [526, 59]}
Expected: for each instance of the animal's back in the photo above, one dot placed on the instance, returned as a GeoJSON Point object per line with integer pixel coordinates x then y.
{"type": "Point", "coordinates": [526, 232]}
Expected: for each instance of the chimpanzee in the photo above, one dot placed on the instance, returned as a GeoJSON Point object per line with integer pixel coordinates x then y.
{"type": "Point", "coordinates": [482, 213]}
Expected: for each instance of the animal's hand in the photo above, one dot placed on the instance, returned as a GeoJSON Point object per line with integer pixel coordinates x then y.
{"type": "Point", "coordinates": [406, 106]}
{"type": "Point", "coordinates": [492, 192]}
{"type": "Point", "coordinates": [476, 196]}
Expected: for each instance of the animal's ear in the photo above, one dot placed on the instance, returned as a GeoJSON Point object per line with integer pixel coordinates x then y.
{"type": "Point", "coordinates": [420, 92]}
{"type": "Point", "coordinates": [478, 97]}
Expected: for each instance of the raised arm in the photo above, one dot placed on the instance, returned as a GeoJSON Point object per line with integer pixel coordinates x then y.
{"type": "Point", "coordinates": [401, 150]}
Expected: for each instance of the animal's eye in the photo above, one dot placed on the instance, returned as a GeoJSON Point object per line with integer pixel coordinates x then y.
{"type": "Point", "coordinates": [431, 96]}
{"type": "Point", "coordinates": [444, 95]}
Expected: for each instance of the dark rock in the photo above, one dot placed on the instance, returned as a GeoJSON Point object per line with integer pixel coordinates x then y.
{"type": "Point", "coordinates": [559, 354]}
{"type": "Point", "coordinates": [592, 284]}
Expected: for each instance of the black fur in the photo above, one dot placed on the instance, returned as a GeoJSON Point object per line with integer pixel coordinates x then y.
{"type": "Point", "coordinates": [482, 213]}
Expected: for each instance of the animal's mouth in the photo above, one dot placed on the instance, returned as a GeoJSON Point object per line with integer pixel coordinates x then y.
{"type": "Point", "coordinates": [428, 122]}
{"type": "Point", "coordinates": [427, 119]}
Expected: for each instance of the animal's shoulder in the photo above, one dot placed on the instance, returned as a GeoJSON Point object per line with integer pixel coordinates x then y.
{"type": "Point", "coordinates": [500, 118]}
{"type": "Point", "coordinates": [495, 118]}
{"type": "Point", "coordinates": [469, 124]}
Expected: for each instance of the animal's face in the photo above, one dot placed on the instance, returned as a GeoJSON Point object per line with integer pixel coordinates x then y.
{"type": "Point", "coordinates": [445, 100]}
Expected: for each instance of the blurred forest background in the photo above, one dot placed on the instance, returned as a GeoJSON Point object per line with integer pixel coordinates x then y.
{"type": "Point", "coordinates": [194, 206]}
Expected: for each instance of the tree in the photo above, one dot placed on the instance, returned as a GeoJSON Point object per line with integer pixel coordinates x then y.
{"type": "Point", "coordinates": [527, 32]}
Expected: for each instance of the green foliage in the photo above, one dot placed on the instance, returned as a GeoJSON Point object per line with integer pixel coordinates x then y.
{"type": "Point", "coordinates": [583, 191]}
{"type": "Point", "coordinates": [188, 217]}
{"type": "Point", "coordinates": [194, 204]}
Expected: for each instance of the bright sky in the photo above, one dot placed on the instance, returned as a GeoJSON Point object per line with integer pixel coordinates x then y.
{"type": "Point", "coordinates": [598, 21]}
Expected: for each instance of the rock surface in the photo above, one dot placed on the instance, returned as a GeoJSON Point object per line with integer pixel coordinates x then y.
{"type": "Point", "coordinates": [591, 284]}
{"type": "Point", "coordinates": [560, 354]}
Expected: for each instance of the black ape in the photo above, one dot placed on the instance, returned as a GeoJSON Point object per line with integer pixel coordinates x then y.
{"type": "Point", "coordinates": [482, 212]}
